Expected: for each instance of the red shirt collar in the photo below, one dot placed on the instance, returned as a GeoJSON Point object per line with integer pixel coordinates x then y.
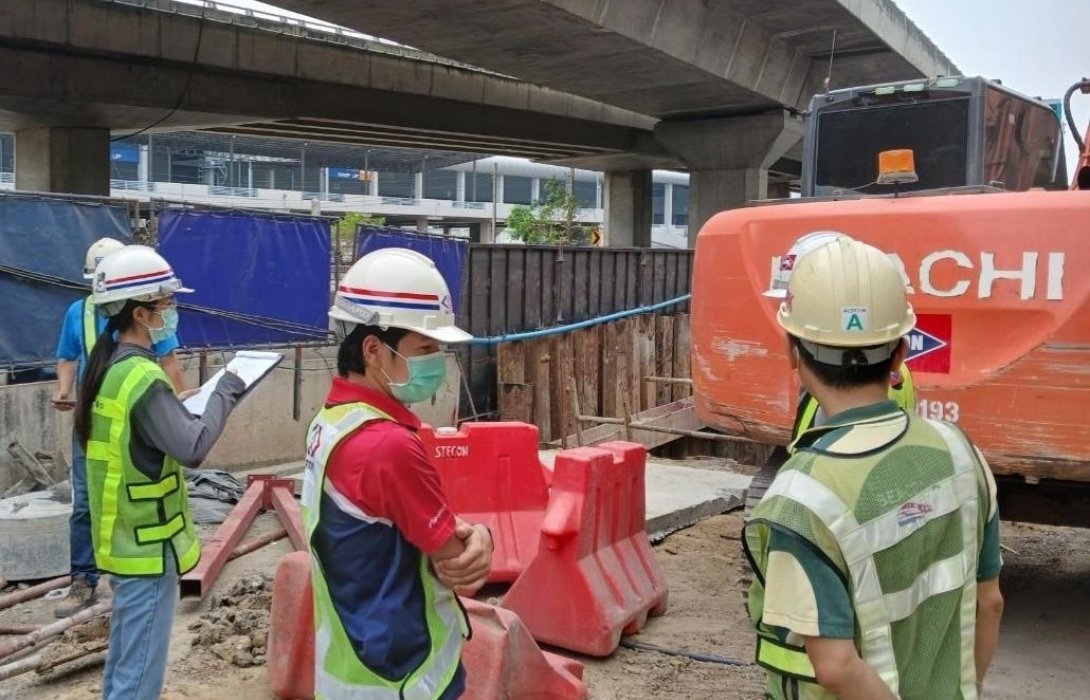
{"type": "Point", "coordinates": [343, 391]}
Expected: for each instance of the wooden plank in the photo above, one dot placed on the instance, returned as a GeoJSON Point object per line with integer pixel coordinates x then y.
{"type": "Point", "coordinates": [595, 281]}
{"type": "Point", "coordinates": [648, 392]}
{"type": "Point", "coordinates": [634, 390]}
{"type": "Point", "coordinates": [549, 291]}
{"type": "Point", "coordinates": [664, 356]}
{"type": "Point", "coordinates": [511, 363]}
{"type": "Point", "coordinates": [608, 286]}
{"type": "Point", "coordinates": [658, 278]}
{"type": "Point", "coordinates": [514, 286]}
{"type": "Point", "coordinates": [562, 367]}
{"type": "Point", "coordinates": [678, 414]}
{"type": "Point", "coordinates": [612, 371]}
{"type": "Point", "coordinates": [534, 293]}
{"type": "Point", "coordinates": [497, 302]}
{"type": "Point", "coordinates": [580, 266]}
{"type": "Point", "coordinates": [480, 291]}
{"type": "Point", "coordinates": [682, 358]}
{"type": "Point", "coordinates": [587, 368]}
{"type": "Point", "coordinates": [537, 367]}
{"type": "Point", "coordinates": [634, 291]}
{"type": "Point", "coordinates": [563, 282]}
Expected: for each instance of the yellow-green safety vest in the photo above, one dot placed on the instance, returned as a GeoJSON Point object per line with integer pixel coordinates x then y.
{"type": "Point", "coordinates": [339, 672]}
{"type": "Point", "coordinates": [136, 521]}
{"type": "Point", "coordinates": [887, 573]}
{"type": "Point", "coordinates": [90, 327]}
{"type": "Point", "coordinates": [903, 394]}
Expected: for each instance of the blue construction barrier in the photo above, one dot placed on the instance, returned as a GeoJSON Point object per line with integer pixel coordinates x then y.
{"type": "Point", "coordinates": [43, 242]}
{"type": "Point", "coordinates": [259, 278]}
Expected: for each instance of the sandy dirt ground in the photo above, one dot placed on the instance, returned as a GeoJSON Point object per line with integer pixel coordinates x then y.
{"type": "Point", "coordinates": [1044, 649]}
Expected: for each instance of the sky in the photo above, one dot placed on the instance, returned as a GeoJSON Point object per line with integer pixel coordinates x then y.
{"type": "Point", "coordinates": [1037, 47]}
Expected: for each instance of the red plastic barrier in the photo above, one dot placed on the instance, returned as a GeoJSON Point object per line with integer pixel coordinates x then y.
{"type": "Point", "coordinates": [492, 475]}
{"type": "Point", "coordinates": [291, 630]}
{"type": "Point", "coordinates": [503, 662]}
{"type": "Point", "coordinates": [595, 575]}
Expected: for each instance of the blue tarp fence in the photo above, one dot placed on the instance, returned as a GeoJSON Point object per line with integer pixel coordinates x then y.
{"type": "Point", "coordinates": [259, 278]}
{"type": "Point", "coordinates": [48, 237]}
{"type": "Point", "coordinates": [448, 254]}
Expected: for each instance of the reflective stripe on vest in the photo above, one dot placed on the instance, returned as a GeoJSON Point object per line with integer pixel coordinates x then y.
{"type": "Point", "coordinates": [785, 659]}
{"type": "Point", "coordinates": [90, 327]}
{"type": "Point", "coordinates": [132, 516]}
{"type": "Point", "coordinates": [876, 611]}
{"type": "Point", "coordinates": [444, 614]}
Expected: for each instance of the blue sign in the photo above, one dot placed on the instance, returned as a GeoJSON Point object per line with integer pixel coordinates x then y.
{"type": "Point", "coordinates": [345, 173]}
{"type": "Point", "coordinates": [124, 153]}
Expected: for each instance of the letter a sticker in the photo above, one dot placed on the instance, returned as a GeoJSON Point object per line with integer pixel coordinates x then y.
{"type": "Point", "coordinates": [853, 318]}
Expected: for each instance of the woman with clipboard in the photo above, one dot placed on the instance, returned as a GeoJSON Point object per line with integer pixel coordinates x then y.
{"type": "Point", "coordinates": [138, 436]}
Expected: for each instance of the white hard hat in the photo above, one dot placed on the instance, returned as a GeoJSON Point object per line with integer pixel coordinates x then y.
{"type": "Point", "coordinates": [786, 264]}
{"type": "Point", "coordinates": [98, 250]}
{"type": "Point", "coordinates": [397, 288]}
{"type": "Point", "coordinates": [133, 272]}
{"type": "Point", "coordinates": [847, 294]}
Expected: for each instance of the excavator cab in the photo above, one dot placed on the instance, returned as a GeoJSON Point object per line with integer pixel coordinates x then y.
{"type": "Point", "coordinates": [966, 133]}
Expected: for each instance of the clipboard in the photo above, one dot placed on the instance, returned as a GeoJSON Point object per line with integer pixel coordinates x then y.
{"type": "Point", "coordinates": [251, 366]}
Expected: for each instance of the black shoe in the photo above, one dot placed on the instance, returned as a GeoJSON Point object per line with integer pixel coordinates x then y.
{"type": "Point", "coordinates": [80, 597]}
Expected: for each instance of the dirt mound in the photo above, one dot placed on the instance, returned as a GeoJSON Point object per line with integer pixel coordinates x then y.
{"type": "Point", "coordinates": [236, 626]}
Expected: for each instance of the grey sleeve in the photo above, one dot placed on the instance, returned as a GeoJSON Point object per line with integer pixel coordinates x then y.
{"type": "Point", "coordinates": [163, 422]}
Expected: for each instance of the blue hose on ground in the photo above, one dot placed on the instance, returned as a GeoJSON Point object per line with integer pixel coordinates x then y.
{"type": "Point", "coordinates": [530, 335]}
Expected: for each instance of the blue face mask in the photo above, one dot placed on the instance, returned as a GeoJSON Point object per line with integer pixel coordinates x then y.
{"type": "Point", "coordinates": [426, 376]}
{"type": "Point", "coordinates": [169, 327]}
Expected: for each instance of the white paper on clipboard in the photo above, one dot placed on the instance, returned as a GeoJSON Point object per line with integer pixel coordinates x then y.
{"type": "Point", "coordinates": [251, 367]}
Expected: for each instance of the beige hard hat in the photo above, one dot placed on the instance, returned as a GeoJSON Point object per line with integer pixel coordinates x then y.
{"type": "Point", "coordinates": [99, 250]}
{"type": "Point", "coordinates": [847, 294]}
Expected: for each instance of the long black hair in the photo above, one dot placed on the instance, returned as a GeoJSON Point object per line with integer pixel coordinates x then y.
{"type": "Point", "coordinates": [99, 362]}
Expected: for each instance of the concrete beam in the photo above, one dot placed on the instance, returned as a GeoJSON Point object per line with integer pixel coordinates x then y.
{"type": "Point", "coordinates": [110, 65]}
{"type": "Point", "coordinates": [627, 209]}
{"type": "Point", "coordinates": [75, 160]}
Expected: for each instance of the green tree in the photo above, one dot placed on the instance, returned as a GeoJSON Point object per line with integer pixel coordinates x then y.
{"type": "Point", "coordinates": [344, 231]}
{"type": "Point", "coordinates": [553, 219]}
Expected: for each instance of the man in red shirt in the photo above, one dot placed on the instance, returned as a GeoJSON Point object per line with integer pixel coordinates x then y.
{"type": "Point", "coordinates": [387, 553]}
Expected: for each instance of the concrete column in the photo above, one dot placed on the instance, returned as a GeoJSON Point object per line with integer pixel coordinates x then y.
{"type": "Point", "coordinates": [460, 187]}
{"type": "Point", "coordinates": [535, 189]}
{"type": "Point", "coordinates": [779, 190]}
{"type": "Point", "coordinates": [143, 168]}
{"type": "Point", "coordinates": [75, 160]}
{"type": "Point", "coordinates": [482, 232]}
{"type": "Point", "coordinates": [422, 224]}
{"type": "Point", "coordinates": [418, 186]}
{"type": "Point", "coordinates": [627, 209]}
{"type": "Point", "coordinates": [728, 158]}
{"type": "Point", "coordinates": [668, 204]}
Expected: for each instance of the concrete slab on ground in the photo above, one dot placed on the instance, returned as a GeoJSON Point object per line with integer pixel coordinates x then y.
{"type": "Point", "coordinates": [679, 496]}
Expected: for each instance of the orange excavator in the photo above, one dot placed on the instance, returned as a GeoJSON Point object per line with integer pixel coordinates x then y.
{"type": "Point", "coordinates": [994, 245]}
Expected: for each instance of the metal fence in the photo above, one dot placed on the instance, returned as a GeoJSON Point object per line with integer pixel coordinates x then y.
{"type": "Point", "coordinates": [514, 288]}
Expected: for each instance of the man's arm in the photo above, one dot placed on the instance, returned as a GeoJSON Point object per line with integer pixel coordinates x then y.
{"type": "Point", "coordinates": [989, 611]}
{"type": "Point", "coordinates": [840, 670]}
{"type": "Point", "coordinates": [66, 382]}
{"type": "Point", "coordinates": [465, 560]}
{"type": "Point", "coordinates": [173, 368]}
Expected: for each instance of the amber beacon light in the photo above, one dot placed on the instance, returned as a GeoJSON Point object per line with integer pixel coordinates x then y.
{"type": "Point", "coordinates": [897, 167]}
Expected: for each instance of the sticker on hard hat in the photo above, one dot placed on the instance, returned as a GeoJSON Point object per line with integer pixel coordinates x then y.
{"type": "Point", "coordinates": [787, 263]}
{"type": "Point", "coordinates": [929, 348]}
{"type": "Point", "coordinates": [853, 318]}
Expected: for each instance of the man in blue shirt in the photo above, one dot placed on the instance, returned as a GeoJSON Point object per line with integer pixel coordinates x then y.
{"type": "Point", "coordinates": [82, 325]}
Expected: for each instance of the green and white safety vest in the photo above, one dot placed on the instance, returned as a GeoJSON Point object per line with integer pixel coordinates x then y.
{"type": "Point", "coordinates": [904, 395]}
{"type": "Point", "coordinates": [908, 563]}
{"type": "Point", "coordinates": [90, 327]}
{"type": "Point", "coordinates": [136, 521]}
{"type": "Point", "coordinates": [339, 672]}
